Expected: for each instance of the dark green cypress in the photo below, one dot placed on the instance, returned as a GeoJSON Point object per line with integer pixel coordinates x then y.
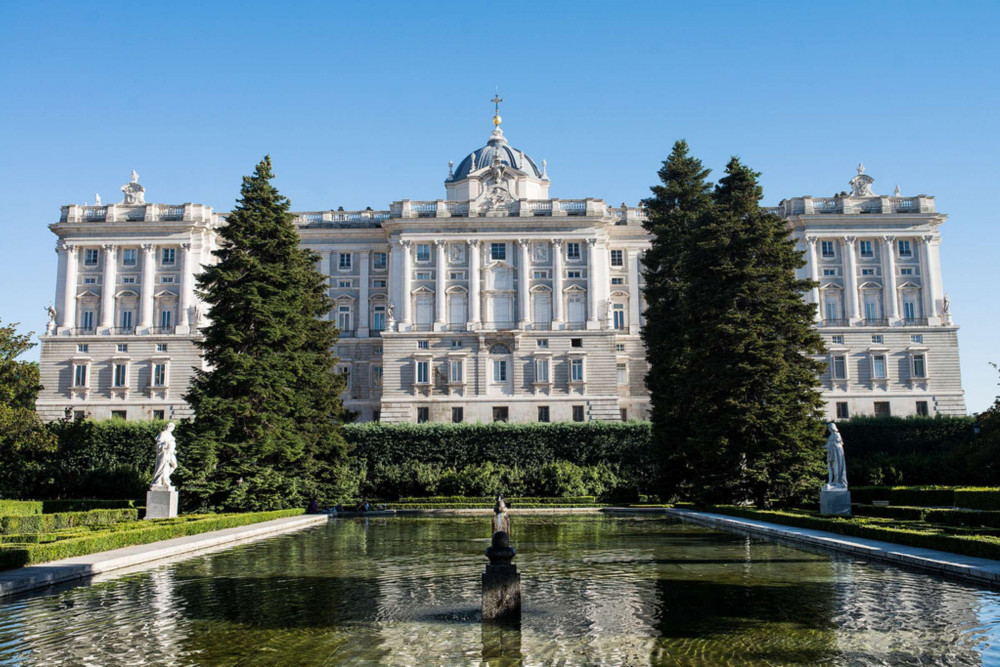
{"type": "Point", "coordinates": [268, 410]}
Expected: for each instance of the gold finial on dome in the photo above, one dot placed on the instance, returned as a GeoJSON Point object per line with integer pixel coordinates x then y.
{"type": "Point", "coordinates": [496, 112]}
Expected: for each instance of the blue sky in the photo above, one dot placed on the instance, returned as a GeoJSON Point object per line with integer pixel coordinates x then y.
{"type": "Point", "coordinates": [364, 103]}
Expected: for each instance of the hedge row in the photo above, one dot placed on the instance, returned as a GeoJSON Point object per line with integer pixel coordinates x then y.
{"type": "Point", "coordinates": [46, 523]}
{"type": "Point", "coordinates": [84, 505]}
{"type": "Point", "coordinates": [914, 496]}
{"type": "Point", "coordinates": [20, 507]}
{"type": "Point", "coordinates": [978, 499]}
{"type": "Point", "coordinates": [980, 546]}
{"type": "Point", "coordinates": [19, 555]}
{"type": "Point", "coordinates": [470, 506]}
{"type": "Point", "coordinates": [487, 500]}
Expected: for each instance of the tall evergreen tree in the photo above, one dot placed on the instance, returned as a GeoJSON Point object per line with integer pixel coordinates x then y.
{"type": "Point", "coordinates": [750, 380]}
{"type": "Point", "coordinates": [268, 409]}
{"type": "Point", "coordinates": [671, 213]}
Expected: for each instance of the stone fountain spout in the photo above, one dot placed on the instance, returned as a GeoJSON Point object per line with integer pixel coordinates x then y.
{"type": "Point", "coordinates": [501, 580]}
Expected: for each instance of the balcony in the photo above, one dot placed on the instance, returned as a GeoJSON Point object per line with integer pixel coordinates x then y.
{"type": "Point", "coordinates": [83, 331]}
{"type": "Point", "coordinates": [499, 326]}
{"type": "Point", "coordinates": [874, 322]}
{"type": "Point", "coordinates": [423, 326]}
{"type": "Point", "coordinates": [575, 326]}
{"type": "Point", "coordinates": [161, 330]}
{"type": "Point", "coordinates": [456, 326]}
{"type": "Point", "coordinates": [914, 321]}
{"type": "Point", "coordinates": [123, 331]}
{"type": "Point", "coordinates": [835, 323]}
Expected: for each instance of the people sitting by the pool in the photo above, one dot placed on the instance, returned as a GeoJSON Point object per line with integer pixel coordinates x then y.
{"type": "Point", "coordinates": [362, 505]}
{"type": "Point", "coordinates": [313, 507]}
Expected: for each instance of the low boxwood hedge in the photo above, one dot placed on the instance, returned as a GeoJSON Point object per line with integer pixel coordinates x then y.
{"type": "Point", "coordinates": [84, 505]}
{"type": "Point", "coordinates": [924, 537]}
{"type": "Point", "coordinates": [46, 523]}
{"type": "Point", "coordinates": [514, 501]}
{"type": "Point", "coordinates": [19, 555]}
{"type": "Point", "coordinates": [910, 496]}
{"type": "Point", "coordinates": [891, 512]}
{"type": "Point", "coordinates": [20, 507]}
{"type": "Point", "coordinates": [978, 498]}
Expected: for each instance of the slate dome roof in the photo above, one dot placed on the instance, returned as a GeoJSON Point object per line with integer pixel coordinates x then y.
{"type": "Point", "coordinates": [509, 156]}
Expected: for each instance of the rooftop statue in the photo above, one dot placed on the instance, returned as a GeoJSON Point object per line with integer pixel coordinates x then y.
{"type": "Point", "coordinates": [134, 193]}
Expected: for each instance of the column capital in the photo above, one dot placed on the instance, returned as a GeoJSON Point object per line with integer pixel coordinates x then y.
{"type": "Point", "coordinates": [592, 241]}
{"type": "Point", "coordinates": [850, 239]}
{"type": "Point", "coordinates": [148, 248]}
{"type": "Point", "coordinates": [63, 246]}
{"type": "Point", "coordinates": [109, 248]}
{"type": "Point", "coordinates": [472, 243]}
{"type": "Point", "coordinates": [440, 243]}
{"type": "Point", "coordinates": [887, 240]}
{"type": "Point", "coordinates": [405, 243]}
{"type": "Point", "coordinates": [557, 242]}
{"type": "Point", "coordinates": [186, 247]}
{"type": "Point", "coordinates": [811, 240]}
{"type": "Point", "coordinates": [523, 243]}
{"type": "Point", "coordinates": [927, 239]}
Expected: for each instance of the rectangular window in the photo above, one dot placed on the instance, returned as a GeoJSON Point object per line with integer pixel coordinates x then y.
{"type": "Point", "coordinates": [866, 249]}
{"type": "Point", "coordinates": [904, 248]}
{"type": "Point", "coordinates": [166, 279]}
{"type": "Point", "coordinates": [578, 413]}
{"type": "Point", "coordinates": [121, 375]}
{"type": "Point", "coordinates": [919, 366]}
{"type": "Point", "coordinates": [542, 343]}
{"type": "Point", "coordinates": [868, 272]}
{"type": "Point", "coordinates": [122, 347]}
{"type": "Point", "coordinates": [344, 318]}
{"type": "Point", "coordinates": [126, 319]}
{"type": "Point", "coordinates": [540, 274]}
{"type": "Point", "coordinates": [344, 284]}
{"type": "Point", "coordinates": [80, 375]}
{"type": "Point", "coordinates": [83, 347]}
{"type": "Point", "coordinates": [829, 272]}
{"type": "Point", "coordinates": [922, 410]}
{"type": "Point", "coordinates": [168, 256]}
{"type": "Point", "coordinates": [422, 345]}
{"type": "Point", "coordinates": [617, 281]}
{"type": "Point", "coordinates": [573, 274]}
{"type": "Point", "coordinates": [842, 411]}
{"type": "Point", "coordinates": [423, 372]}
{"type": "Point", "coordinates": [128, 280]}
{"type": "Point", "coordinates": [877, 339]}
{"type": "Point", "coordinates": [159, 415]}
{"type": "Point", "coordinates": [621, 370]}
{"type": "Point", "coordinates": [90, 257]}
{"type": "Point", "coordinates": [378, 318]}
{"type": "Point", "coordinates": [617, 258]}
{"type": "Point", "coordinates": [378, 261]}
{"type": "Point", "coordinates": [499, 370]}
{"type": "Point", "coordinates": [878, 366]}
{"type": "Point", "coordinates": [423, 252]}
{"type": "Point", "coordinates": [457, 415]}
{"type": "Point", "coordinates": [344, 262]}
{"type": "Point", "coordinates": [498, 251]}
{"type": "Point", "coordinates": [541, 370]}
{"type": "Point", "coordinates": [909, 309]}
{"type": "Point", "coordinates": [159, 375]}
{"type": "Point", "coordinates": [827, 248]}
{"type": "Point", "coordinates": [88, 319]}
{"type": "Point", "coordinates": [500, 413]}
{"type": "Point", "coordinates": [166, 319]}
{"type": "Point", "coordinates": [839, 367]}
{"type": "Point", "coordinates": [619, 316]}
{"type": "Point", "coordinates": [457, 371]}
{"type": "Point", "coordinates": [576, 342]}
{"type": "Point", "coordinates": [456, 344]}
{"type": "Point", "coordinates": [161, 347]}
{"type": "Point", "coordinates": [376, 376]}
{"type": "Point", "coordinates": [882, 409]}
{"type": "Point", "coordinates": [423, 415]}
{"type": "Point", "coordinates": [576, 370]}
{"type": "Point", "coordinates": [619, 347]}
{"type": "Point", "coordinates": [906, 271]}
{"type": "Point", "coordinates": [838, 340]}
{"type": "Point", "coordinates": [119, 414]}
{"type": "Point", "coordinates": [425, 275]}
{"type": "Point", "coordinates": [129, 257]}
{"type": "Point", "coordinates": [456, 275]}
{"type": "Point", "coordinates": [90, 281]}
{"type": "Point", "coordinates": [378, 283]}
{"type": "Point", "coordinates": [543, 414]}
{"type": "Point", "coordinates": [572, 251]}
{"type": "Point", "coordinates": [916, 338]}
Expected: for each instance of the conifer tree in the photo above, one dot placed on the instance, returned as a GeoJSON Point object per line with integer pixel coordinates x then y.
{"type": "Point", "coordinates": [675, 207]}
{"type": "Point", "coordinates": [268, 410]}
{"type": "Point", "coordinates": [750, 379]}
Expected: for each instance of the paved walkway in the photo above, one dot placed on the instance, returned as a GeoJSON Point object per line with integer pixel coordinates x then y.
{"type": "Point", "coordinates": [980, 570]}
{"type": "Point", "coordinates": [133, 558]}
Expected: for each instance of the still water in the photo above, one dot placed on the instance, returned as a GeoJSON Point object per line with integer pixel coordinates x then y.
{"type": "Point", "coordinates": [597, 590]}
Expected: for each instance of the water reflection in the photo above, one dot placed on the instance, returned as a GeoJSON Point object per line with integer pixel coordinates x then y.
{"type": "Point", "coordinates": [597, 590]}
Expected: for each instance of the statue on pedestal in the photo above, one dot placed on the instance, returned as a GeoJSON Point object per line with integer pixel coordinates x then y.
{"type": "Point", "coordinates": [166, 458]}
{"type": "Point", "coordinates": [51, 324]}
{"type": "Point", "coordinates": [501, 522]}
{"type": "Point", "coordinates": [835, 463]}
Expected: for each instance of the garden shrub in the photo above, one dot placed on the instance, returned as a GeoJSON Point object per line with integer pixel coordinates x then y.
{"type": "Point", "coordinates": [978, 498]}
{"type": "Point", "coordinates": [43, 523]}
{"type": "Point", "coordinates": [20, 507]}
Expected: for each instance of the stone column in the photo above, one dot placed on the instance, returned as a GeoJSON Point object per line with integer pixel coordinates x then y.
{"type": "Point", "coordinates": [851, 282]}
{"type": "Point", "coordinates": [633, 291]}
{"type": "Point", "coordinates": [407, 280]}
{"type": "Point", "coordinates": [108, 286]}
{"type": "Point", "coordinates": [523, 280]}
{"type": "Point", "coordinates": [183, 318]}
{"type": "Point", "coordinates": [440, 260]}
{"type": "Point", "coordinates": [889, 279]}
{"type": "Point", "coordinates": [929, 276]}
{"type": "Point", "coordinates": [592, 314]}
{"type": "Point", "coordinates": [364, 257]}
{"type": "Point", "coordinates": [148, 286]}
{"type": "Point", "coordinates": [474, 278]}
{"type": "Point", "coordinates": [557, 284]}
{"type": "Point", "coordinates": [67, 306]}
{"type": "Point", "coordinates": [813, 268]}
{"type": "Point", "coordinates": [392, 290]}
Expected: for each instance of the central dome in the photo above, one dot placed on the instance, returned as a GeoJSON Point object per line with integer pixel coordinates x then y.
{"type": "Point", "coordinates": [509, 156]}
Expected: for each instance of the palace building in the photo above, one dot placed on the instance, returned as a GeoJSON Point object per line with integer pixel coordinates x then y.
{"type": "Point", "coordinates": [497, 302]}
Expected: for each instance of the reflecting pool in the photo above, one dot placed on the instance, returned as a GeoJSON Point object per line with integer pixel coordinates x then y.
{"type": "Point", "coordinates": [598, 590]}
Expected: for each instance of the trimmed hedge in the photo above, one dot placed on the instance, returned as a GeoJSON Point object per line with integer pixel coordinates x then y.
{"type": "Point", "coordinates": [84, 505]}
{"type": "Point", "coordinates": [514, 502]}
{"type": "Point", "coordinates": [19, 555]}
{"type": "Point", "coordinates": [46, 523]}
{"type": "Point", "coordinates": [891, 512]}
{"type": "Point", "coordinates": [912, 496]}
{"type": "Point", "coordinates": [978, 498]}
{"type": "Point", "coordinates": [980, 546]}
{"type": "Point", "coordinates": [20, 507]}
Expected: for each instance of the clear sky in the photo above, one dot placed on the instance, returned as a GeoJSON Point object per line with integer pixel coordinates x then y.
{"type": "Point", "coordinates": [363, 103]}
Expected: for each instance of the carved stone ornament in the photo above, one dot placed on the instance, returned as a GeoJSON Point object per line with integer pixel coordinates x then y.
{"type": "Point", "coordinates": [496, 199]}
{"type": "Point", "coordinates": [135, 194]}
{"type": "Point", "coordinates": [456, 253]}
{"type": "Point", "coordinates": [861, 185]}
{"type": "Point", "coordinates": [540, 252]}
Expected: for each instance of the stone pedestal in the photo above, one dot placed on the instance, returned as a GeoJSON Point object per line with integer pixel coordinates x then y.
{"type": "Point", "coordinates": [501, 582]}
{"type": "Point", "coordinates": [834, 501]}
{"type": "Point", "coordinates": [161, 502]}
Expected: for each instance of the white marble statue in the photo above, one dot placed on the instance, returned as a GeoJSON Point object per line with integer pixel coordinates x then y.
{"type": "Point", "coordinates": [166, 458]}
{"type": "Point", "coordinates": [97, 199]}
{"type": "Point", "coordinates": [51, 325]}
{"type": "Point", "coordinates": [835, 463]}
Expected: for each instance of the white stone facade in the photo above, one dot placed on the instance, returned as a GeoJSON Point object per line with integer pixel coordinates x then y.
{"type": "Point", "coordinates": [497, 303]}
